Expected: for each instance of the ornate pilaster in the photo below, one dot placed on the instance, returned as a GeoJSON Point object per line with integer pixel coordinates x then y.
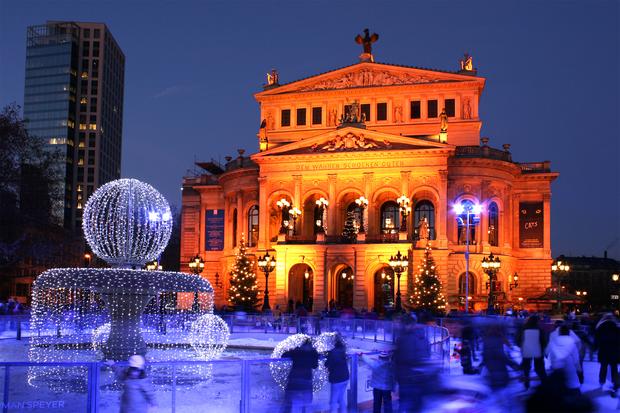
{"type": "Point", "coordinates": [263, 217]}
{"type": "Point", "coordinates": [547, 219]}
{"type": "Point", "coordinates": [441, 219]}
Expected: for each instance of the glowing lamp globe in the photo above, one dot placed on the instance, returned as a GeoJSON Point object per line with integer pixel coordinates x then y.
{"type": "Point", "coordinates": [127, 223]}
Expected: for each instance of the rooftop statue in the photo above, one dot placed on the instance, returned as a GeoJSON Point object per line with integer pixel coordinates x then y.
{"type": "Point", "coordinates": [467, 62]}
{"type": "Point", "coordinates": [366, 42]}
{"type": "Point", "coordinates": [273, 77]}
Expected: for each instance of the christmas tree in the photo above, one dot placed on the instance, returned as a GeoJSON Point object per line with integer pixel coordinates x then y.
{"type": "Point", "coordinates": [349, 233]}
{"type": "Point", "coordinates": [426, 292]}
{"type": "Point", "coordinates": [243, 291]}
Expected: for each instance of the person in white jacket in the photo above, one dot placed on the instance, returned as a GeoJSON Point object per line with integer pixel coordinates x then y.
{"type": "Point", "coordinates": [564, 355]}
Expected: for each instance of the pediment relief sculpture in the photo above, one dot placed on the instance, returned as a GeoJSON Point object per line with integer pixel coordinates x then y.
{"type": "Point", "coordinates": [350, 141]}
{"type": "Point", "coordinates": [369, 77]}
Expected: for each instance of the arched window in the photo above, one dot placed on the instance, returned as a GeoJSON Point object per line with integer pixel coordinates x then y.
{"type": "Point", "coordinates": [493, 224]}
{"type": "Point", "coordinates": [390, 218]}
{"type": "Point", "coordinates": [462, 223]}
{"type": "Point", "coordinates": [234, 228]}
{"type": "Point", "coordinates": [318, 220]}
{"type": "Point", "coordinates": [472, 284]}
{"type": "Point", "coordinates": [425, 209]}
{"type": "Point", "coordinates": [357, 213]}
{"type": "Point", "coordinates": [253, 226]}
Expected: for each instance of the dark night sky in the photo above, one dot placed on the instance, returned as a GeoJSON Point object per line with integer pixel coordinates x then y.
{"type": "Point", "coordinates": [192, 66]}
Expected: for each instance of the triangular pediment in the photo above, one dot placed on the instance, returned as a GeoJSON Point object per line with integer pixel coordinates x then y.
{"type": "Point", "coordinates": [352, 139]}
{"type": "Point", "coordinates": [369, 75]}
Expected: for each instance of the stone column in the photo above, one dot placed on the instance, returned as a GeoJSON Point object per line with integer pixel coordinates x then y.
{"type": "Point", "coordinates": [515, 220]}
{"type": "Point", "coordinates": [547, 222]}
{"type": "Point", "coordinates": [241, 224]}
{"type": "Point", "coordinates": [441, 218]}
{"type": "Point", "coordinates": [333, 207]}
{"type": "Point", "coordinates": [263, 216]}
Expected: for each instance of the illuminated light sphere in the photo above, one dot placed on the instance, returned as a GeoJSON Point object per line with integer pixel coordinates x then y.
{"type": "Point", "coordinates": [127, 223]}
{"type": "Point", "coordinates": [281, 370]}
{"type": "Point", "coordinates": [209, 336]}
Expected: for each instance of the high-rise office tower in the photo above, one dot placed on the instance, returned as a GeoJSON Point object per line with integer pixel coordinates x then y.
{"type": "Point", "coordinates": [74, 99]}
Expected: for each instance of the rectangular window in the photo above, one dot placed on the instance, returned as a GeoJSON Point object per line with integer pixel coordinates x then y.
{"type": "Point", "coordinates": [285, 117]}
{"type": "Point", "coordinates": [450, 108]}
{"type": "Point", "coordinates": [86, 33]}
{"type": "Point", "coordinates": [432, 109]}
{"type": "Point", "coordinates": [366, 111]}
{"type": "Point", "coordinates": [317, 116]}
{"type": "Point", "coordinates": [301, 116]}
{"type": "Point", "coordinates": [381, 111]}
{"type": "Point", "coordinates": [416, 113]}
{"type": "Point", "coordinates": [97, 33]}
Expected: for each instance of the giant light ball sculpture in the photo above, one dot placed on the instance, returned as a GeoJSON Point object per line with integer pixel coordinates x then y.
{"type": "Point", "coordinates": [126, 223]}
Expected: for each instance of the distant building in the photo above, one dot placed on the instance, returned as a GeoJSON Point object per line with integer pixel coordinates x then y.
{"type": "Point", "coordinates": [594, 276]}
{"type": "Point", "coordinates": [73, 97]}
{"type": "Point", "coordinates": [398, 148]}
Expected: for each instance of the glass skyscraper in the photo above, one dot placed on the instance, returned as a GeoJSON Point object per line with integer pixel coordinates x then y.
{"type": "Point", "coordinates": [74, 99]}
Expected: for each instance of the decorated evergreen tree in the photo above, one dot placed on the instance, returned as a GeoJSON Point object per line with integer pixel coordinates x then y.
{"type": "Point", "coordinates": [426, 292]}
{"type": "Point", "coordinates": [349, 233]}
{"type": "Point", "coordinates": [243, 291]}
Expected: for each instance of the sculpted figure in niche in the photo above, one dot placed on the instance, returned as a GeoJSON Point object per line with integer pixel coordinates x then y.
{"type": "Point", "coordinates": [270, 121]}
{"type": "Point", "coordinates": [444, 120]}
{"type": "Point", "coordinates": [423, 229]}
{"type": "Point", "coordinates": [398, 114]}
{"type": "Point", "coordinates": [467, 108]}
{"type": "Point", "coordinates": [332, 117]}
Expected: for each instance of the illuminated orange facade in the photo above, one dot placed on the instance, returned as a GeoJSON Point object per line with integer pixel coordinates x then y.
{"type": "Point", "coordinates": [381, 132]}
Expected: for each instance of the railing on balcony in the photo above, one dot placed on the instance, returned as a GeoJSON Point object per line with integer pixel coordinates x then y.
{"type": "Point", "coordinates": [535, 167]}
{"type": "Point", "coordinates": [482, 152]}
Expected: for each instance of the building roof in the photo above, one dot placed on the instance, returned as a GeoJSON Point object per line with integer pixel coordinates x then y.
{"type": "Point", "coordinates": [377, 63]}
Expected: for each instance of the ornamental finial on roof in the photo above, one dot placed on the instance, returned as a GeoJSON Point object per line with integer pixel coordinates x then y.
{"type": "Point", "coordinates": [366, 43]}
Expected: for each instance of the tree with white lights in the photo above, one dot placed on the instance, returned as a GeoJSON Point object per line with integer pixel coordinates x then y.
{"type": "Point", "coordinates": [243, 291]}
{"type": "Point", "coordinates": [426, 293]}
{"type": "Point", "coordinates": [349, 233]}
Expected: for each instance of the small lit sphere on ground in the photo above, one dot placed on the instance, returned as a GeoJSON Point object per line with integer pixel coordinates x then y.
{"type": "Point", "coordinates": [127, 222]}
{"type": "Point", "coordinates": [209, 336]}
{"type": "Point", "coordinates": [281, 370]}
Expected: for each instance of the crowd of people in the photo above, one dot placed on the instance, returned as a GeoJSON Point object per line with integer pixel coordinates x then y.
{"type": "Point", "coordinates": [11, 307]}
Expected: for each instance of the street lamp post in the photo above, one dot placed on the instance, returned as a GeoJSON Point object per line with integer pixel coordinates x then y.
{"type": "Point", "coordinates": [295, 213]}
{"type": "Point", "coordinates": [467, 209]}
{"type": "Point", "coordinates": [559, 268]}
{"type": "Point", "coordinates": [362, 202]}
{"type": "Point", "coordinates": [399, 264]}
{"type": "Point", "coordinates": [405, 208]}
{"type": "Point", "coordinates": [196, 266]}
{"type": "Point", "coordinates": [322, 204]}
{"type": "Point", "coordinates": [267, 264]}
{"type": "Point", "coordinates": [616, 296]}
{"type": "Point", "coordinates": [284, 207]}
{"type": "Point", "coordinates": [515, 283]}
{"type": "Point", "coordinates": [491, 265]}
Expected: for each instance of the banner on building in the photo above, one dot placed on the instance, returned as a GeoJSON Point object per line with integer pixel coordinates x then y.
{"type": "Point", "coordinates": [531, 225]}
{"type": "Point", "coordinates": [214, 230]}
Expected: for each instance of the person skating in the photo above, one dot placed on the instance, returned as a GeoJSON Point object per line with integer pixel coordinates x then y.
{"type": "Point", "coordinates": [137, 395]}
{"type": "Point", "coordinates": [298, 391]}
{"type": "Point", "coordinates": [381, 381]}
{"type": "Point", "coordinates": [338, 370]}
{"type": "Point", "coordinates": [607, 342]}
{"type": "Point", "coordinates": [532, 342]}
{"type": "Point", "coordinates": [564, 355]}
